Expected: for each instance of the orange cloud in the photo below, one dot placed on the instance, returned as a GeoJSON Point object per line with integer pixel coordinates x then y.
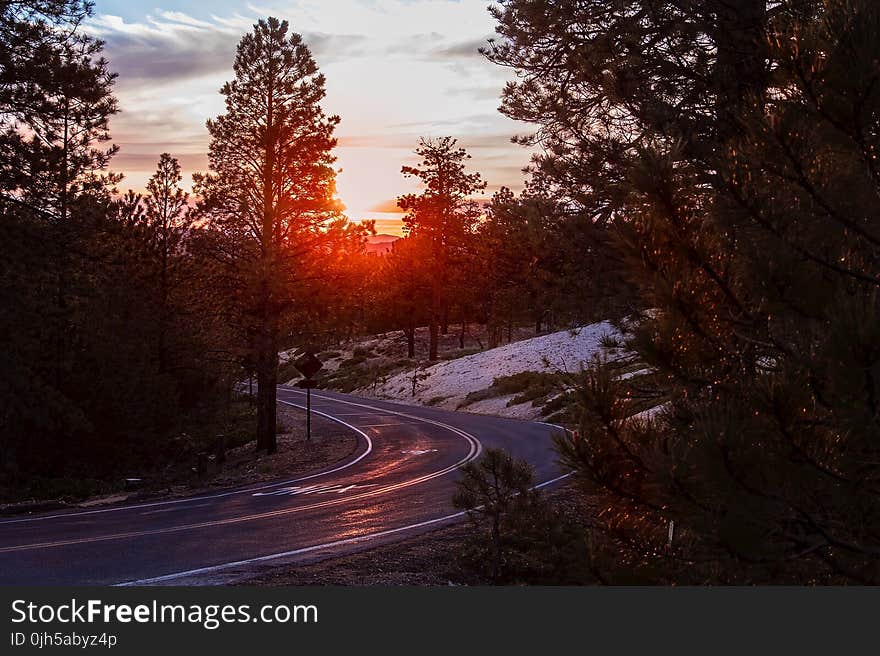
{"type": "Point", "coordinates": [387, 207]}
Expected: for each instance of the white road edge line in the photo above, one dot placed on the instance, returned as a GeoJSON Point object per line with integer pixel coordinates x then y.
{"type": "Point", "coordinates": [304, 550]}
{"type": "Point", "coordinates": [476, 448]}
{"type": "Point", "coordinates": [248, 490]}
{"type": "Point", "coordinates": [467, 436]}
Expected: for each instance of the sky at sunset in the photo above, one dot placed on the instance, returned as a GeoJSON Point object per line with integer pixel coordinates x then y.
{"type": "Point", "coordinates": [396, 70]}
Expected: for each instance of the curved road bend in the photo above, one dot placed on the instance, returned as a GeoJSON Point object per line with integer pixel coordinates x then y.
{"type": "Point", "coordinates": [400, 480]}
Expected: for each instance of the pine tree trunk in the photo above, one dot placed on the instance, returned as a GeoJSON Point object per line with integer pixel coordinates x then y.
{"type": "Point", "coordinates": [61, 327]}
{"type": "Point", "coordinates": [491, 325]}
{"type": "Point", "coordinates": [410, 342]}
{"type": "Point", "coordinates": [61, 293]}
{"type": "Point", "coordinates": [267, 353]}
{"type": "Point", "coordinates": [496, 541]}
{"type": "Point", "coordinates": [267, 381]}
{"type": "Point", "coordinates": [434, 322]}
{"type": "Point", "coordinates": [493, 331]}
{"type": "Point", "coordinates": [434, 331]}
{"type": "Point", "coordinates": [163, 309]}
{"type": "Point", "coordinates": [739, 73]}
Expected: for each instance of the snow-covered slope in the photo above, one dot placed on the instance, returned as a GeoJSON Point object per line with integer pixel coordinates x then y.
{"type": "Point", "coordinates": [446, 384]}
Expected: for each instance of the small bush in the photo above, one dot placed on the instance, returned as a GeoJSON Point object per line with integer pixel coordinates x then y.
{"type": "Point", "coordinates": [459, 353]}
{"type": "Point", "coordinates": [353, 361]}
{"type": "Point", "coordinates": [517, 536]}
{"type": "Point", "coordinates": [239, 426]}
{"type": "Point", "coordinates": [480, 395]}
{"type": "Point", "coordinates": [564, 402]}
{"type": "Point", "coordinates": [527, 385]}
{"type": "Point", "coordinates": [356, 373]}
{"type": "Point", "coordinates": [286, 372]}
{"type": "Point", "coordinates": [72, 489]}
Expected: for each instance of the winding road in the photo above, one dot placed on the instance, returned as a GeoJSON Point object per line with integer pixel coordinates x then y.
{"type": "Point", "coordinates": [399, 482]}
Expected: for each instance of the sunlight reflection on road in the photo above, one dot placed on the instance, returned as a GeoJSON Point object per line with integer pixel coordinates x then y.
{"type": "Point", "coordinates": [313, 489]}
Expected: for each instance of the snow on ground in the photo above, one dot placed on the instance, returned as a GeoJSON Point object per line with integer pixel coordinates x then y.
{"type": "Point", "coordinates": [498, 406]}
{"type": "Point", "coordinates": [650, 413]}
{"type": "Point", "coordinates": [446, 384]}
{"type": "Point", "coordinates": [286, 356]}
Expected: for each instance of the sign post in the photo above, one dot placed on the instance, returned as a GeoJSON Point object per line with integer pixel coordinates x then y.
{"type": "Point", "coordinates": [308, 365]}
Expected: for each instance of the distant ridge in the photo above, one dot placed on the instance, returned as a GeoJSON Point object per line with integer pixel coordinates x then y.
{"type": "Point", "coordinates": [380, 244]}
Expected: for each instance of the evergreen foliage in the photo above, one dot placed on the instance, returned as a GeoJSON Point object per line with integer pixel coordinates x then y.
{"type": "Point", "coordinates": [730, 148]}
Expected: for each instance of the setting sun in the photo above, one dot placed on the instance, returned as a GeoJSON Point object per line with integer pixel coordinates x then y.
{"type": "Point", "coordinates": [369, 182]}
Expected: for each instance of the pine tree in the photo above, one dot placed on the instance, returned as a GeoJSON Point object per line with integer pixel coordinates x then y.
{"type": "Point", "coordinates": [443, 214]}
{"type": "Point", "coordinates": [270, 191]}
{"type": "Point", "coordinates": [82, 394]}
{"type": "Point", "coordinates": [55, 105]}
{"type": "Point", "coordinates": [730, 149]}
{"type": "Point", "coordinates": [404, 282]}
{"type": "Point", "coordinates": [168, 221]}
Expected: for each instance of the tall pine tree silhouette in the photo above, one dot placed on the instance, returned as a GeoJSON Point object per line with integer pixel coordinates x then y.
{"type": "Point", "coordinates": [270, 189]}
{"type": "Point", "coordinates": [443, 215]}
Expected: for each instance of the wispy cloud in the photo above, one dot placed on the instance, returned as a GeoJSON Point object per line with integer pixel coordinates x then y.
{"type": "Point", "coordinates": [388, 206]}
{"type": "Point", "coordinates": [174, 46]}
{"type": "Point", "coordinates": [396, 70]}
{"type": "Point", "coordinates": [462, 49]}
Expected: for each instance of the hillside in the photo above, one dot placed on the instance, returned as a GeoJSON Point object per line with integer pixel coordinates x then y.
{"type": "Point", "coordinates": [380, 244]}
{"type": "Point", "coordinates": [524, 379]}
{"type": "Point", "coordinates": [514, 380]}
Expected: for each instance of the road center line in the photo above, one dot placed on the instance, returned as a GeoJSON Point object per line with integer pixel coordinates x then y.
{"type": "Point", "coordinates": [219, 495]}
{"type": "Point", "coordinates": [381, 425]}
{"type": "Point", "coordinates": [473, 452]}
{"type": "Point", "coordinates": [316, 547]}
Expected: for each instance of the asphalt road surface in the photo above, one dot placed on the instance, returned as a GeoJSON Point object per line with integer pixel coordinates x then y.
{"type": "Point", "coordinates": [399, 482]}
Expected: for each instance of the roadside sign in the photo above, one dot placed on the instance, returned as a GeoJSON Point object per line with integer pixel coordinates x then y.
{"type": "Point", "coordinates": [306, 383]}
{"type": "Point", "coordinates": [308, 365]}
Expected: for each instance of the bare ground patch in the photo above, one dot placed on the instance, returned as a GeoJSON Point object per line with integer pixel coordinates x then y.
{"type": "Point", "coordinates": [331, 443]}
